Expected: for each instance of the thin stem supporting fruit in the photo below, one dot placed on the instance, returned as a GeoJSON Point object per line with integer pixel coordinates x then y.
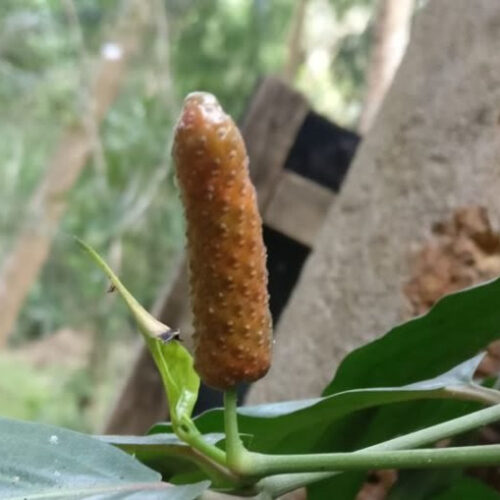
{"type": "Point", "coordinates": [188, 432]}
{"type": "Point", "coordinates": [235, 450]}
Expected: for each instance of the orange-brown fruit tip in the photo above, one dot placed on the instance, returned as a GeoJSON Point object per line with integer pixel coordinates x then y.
{"type": "Point", "coordinates": [227, 257]}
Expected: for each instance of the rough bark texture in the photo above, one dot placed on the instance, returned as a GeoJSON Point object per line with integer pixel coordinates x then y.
{"type": "Point", "coordinates": [390, 37]}
{"type": "Point", "coordinates": [32, 246]}
{"type": "Point", "coordinates": [435, 147]}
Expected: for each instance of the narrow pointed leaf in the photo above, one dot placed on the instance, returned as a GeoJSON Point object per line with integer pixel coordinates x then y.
{"type": "Point", "coordinates": [172, 359]}
{"type": "Point", "coordinates": [165, 453]}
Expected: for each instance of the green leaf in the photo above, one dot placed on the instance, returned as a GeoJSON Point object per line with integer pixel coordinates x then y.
{"type": "Point", "coordinates": [172, 359]}
{"type": "Point", "coordinates": [456, 328]}
{"type": "Point", "coordinates": [179, 378]}
{"type": "Point", "coordinates": [165, 453]}
{"type": "Point", "coordinates": [426, 484]}
{"type": "Point", "coordinates": [466, 489]}
{"type": "Point", "coordinates": [298, 426]}
{"type": "Point", "coordinates": [44, 462]}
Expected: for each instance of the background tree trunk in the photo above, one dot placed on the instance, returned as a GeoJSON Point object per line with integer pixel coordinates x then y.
{"type": "Point", "coordinates": [390, 36]}
{"type": "Point", "coordinates": [433, 149]}
{"type": "Point", "coordinates": [294, 45]}
{"type": "Point", "coordinates": [31, 247]}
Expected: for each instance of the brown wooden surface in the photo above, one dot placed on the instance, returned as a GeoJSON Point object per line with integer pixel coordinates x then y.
{"type": "Point", "coordinates": [269, 129]}
{"type": "Point", "coordinates": [298, 207]}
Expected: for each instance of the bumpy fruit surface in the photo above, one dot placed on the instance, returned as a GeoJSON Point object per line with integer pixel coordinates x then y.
{"type": "Point", "coordinates": [227, 257]}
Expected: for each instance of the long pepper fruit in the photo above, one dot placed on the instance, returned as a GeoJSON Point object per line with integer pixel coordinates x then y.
{"type": "Point", "coordinates": [227, 257]}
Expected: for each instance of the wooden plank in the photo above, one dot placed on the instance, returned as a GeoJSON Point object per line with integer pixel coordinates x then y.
{"type": "Point", "coordinates": [269, 129]}
{"type": "Point", "coordinates": [298, 207]}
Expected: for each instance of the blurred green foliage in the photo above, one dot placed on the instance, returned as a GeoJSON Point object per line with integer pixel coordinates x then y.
{"type": "Point", "coordinates": [48, 395]}
{"type": "Point", "coordinates": [125, 202]}
{"type": "Point", "coordinates": [236, 41]}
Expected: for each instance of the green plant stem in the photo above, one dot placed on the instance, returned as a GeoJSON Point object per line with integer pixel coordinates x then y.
{"type": "Point", "coordinates": [235, 450]}
{"type": "Point", "coordinates": [282, 483]}
{"type": "Point", "coordinates": [186, 429]}
{"type": "Point", "coordinates": [220, 476]}
{"type": "Point", "coordinates": [188, 432]}
{"type": "Point", "coordinates": [389, 459]}
{"type": "Point", "coordinates": [474, 392]}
